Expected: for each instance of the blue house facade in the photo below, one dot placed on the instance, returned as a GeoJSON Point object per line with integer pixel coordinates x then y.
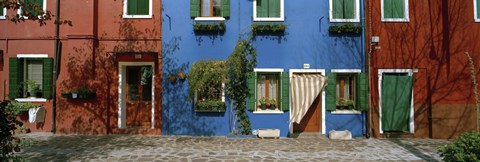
{"type": "Point", "coordinates": [298, 44]}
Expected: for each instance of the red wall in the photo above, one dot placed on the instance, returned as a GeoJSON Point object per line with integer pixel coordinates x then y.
{"type": "Point", "coordinates": [87, 60]}
{"type": "Point", "coordinates": [434, 42]}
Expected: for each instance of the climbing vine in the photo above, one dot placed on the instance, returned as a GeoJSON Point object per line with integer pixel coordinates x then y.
{"type": "Point", "coordinates": [239, 64]}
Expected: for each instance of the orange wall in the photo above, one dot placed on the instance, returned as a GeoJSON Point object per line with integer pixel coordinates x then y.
{"type": "Point", "coordinates": [434, 42]}
{"type": "Point", "coordinates": [87, 59]}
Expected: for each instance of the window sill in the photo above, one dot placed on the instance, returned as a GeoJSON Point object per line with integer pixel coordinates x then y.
{"type": "Point", "coordinates": [477, 20]}
{"type": "Point", "coordinates": [209, 19]}
{"type": "Point", "coordinates": [395, 20]}
{"type": "Point", "coordinates": [268, 112]}
{"type": "Point", "coordinates": [344, 20]}
{"type": "Point", "coordinates": [346, 112]}
{"type": "Point", "coordinates": [268, 19]}
{"type": "Point", "coordinates": [137, 16]}
{"type": "Point", "coordinates": [31, 100]}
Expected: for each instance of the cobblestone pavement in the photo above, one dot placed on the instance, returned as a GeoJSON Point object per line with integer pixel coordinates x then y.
{"type": "Point", "coordinates": [47, 147]}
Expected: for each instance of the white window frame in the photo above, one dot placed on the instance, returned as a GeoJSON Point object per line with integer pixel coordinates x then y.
{"type": "Point", "coordinates": [20, 10]}
{"type": "Point", "coordinates": [4, 16]}
{"type": "Point", "coordinates": [475, 11]}
{"type": "Point", "coordinates": [346, 71]}
{"type": "Point", "coordinates": [26, 56]}
{"type": "Point", "coordinates": [210, 18]}
{"type": "Point", "coordinates": [126, 16]}
{"type": "Point", "coordinates": [409, 72]}
{"type": "Point", "coordinates": [268, 70]}
{"type": "Point", "coordinates": [282, 13]}
{"type": "Point", "coordinates": [405, 19]}
{"type": "Point", "coordinates": [357, 13]}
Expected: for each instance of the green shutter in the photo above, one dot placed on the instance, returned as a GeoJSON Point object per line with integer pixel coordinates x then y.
{"type": "Point", "coordinates": [387, 8]}
{"type": "Point", "coordinates": [274, 8]}
{"type": "Point", "coordinates": [285, 91]}
{"type": "Point", "coordinates": [362, 89]}
{"type": "Point", "coordinates": [143, 7]}
{"type": "Point", "coordinates": [251, 81]}
{"type": "Point", "coordinates": [131, 7]}
{"type": "Point", "coordinates": [349, 9]}
{"type": "Point", "coordinates": [262, 8]}
{"type": "Point", "coordinates": [194, 8]}
{"type": "Point", "coordinates": [398, 9]}
{"type": "Point", "coordinates": [1, 10]}
{"type": "Point", "coordinates": [337, 9]}
{"type": "Point", "coordinates": [478, 9]}
{"type": "Point", "coordinates": [47, 77]}
{"type": "Point", "coordinates": [331, 90]}
{"type": "Point", "coordinates": [225, 8]}
{"type": "Point", "coordinates": [15, 76]}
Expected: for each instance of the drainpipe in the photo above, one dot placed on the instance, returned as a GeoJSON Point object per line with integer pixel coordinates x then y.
{"type": "Point", "coordinates": [55, 65]}
{"type": "Point", "coordinates": [362, 23]}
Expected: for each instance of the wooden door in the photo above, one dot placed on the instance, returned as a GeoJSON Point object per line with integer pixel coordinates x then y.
{"type": "Point", "coordinates": [311, 122]}
{"type": "Point", "coordinates": [139, 97]}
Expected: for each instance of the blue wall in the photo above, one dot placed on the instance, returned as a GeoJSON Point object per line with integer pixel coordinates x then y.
{"type": "Point", "coordinates": [306, 40]}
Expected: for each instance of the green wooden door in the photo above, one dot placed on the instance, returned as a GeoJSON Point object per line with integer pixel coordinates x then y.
{"type": "Point", "coordinates": [396, 102]}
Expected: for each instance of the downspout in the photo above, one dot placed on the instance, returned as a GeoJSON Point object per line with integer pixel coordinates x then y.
{"type": "Point", "coordinates": [55, 65]}
{"type": "Point", "coordinates": [362, 21]}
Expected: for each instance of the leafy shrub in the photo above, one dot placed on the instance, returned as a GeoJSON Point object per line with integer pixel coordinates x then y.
{"type": "Point", "coordinates": [210, 105]}
{"type": "Point", "coordinates": [8, 123]}
{"type": "Point", "coordinates": [465, 148]}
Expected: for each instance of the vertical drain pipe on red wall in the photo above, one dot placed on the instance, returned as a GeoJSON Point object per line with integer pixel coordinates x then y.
{"type": "Point", "coordinates": [56, 60]}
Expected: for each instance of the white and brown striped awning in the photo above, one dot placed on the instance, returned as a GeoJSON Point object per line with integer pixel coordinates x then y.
{"type": "Point", "coordinates": [304, 88]}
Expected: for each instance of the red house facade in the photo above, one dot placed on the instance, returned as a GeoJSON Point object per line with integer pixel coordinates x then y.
{"type": "Point", "coordinates": [112, 50]}
{"type": "Point", "coordinates": [420, 80]}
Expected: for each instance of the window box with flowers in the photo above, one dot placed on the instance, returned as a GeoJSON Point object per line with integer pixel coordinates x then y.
{"type": "Point", "coordinates": [209, 26]}
{"type": "Point", "coordinates": [82, 93]}
{"type": "Point", "coordinates": [268, 28]}
{"type": "Point", "coordinates": [347, 28]}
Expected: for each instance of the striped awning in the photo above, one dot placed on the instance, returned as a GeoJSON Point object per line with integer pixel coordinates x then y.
{"type": "Point", "coordinates": [304, 88]}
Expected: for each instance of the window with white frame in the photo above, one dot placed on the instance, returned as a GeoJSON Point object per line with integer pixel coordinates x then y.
{"type": "Point", "coordinates": [30, 76]}
{"type": "Point", "coordinates": [3, 12]}
{"type": "Point", "coordinates": [344, 10]}
{"type": "Point", "coordinates": [476, 6]}
{"type": "Point", "coordinates": [137, 9]}
{"type": "Point", "coordinates": [209, 9]}
{"type": "Point", "coordinates": [395, 10]}
{"type": "Point", "coordinates": [345, 91]}
{"type": "Point", "coordinates": [32, 8]}
{"type": "Point", "coordinates": [268, 10]}
{"type": "Point", "coordinates": [269, 91]}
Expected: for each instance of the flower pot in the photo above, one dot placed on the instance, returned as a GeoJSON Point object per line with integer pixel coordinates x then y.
{"type": "Point", "coordinates": [172, 78]}
{"type": "Point", "coordinates": [263, 106]}
{"type": "Point", "coordinates": [181, 75]}
{"type": "Point", "coordinates": [273, 107]}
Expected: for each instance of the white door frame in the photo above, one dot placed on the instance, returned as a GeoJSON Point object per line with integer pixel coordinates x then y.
{"type": "Point", "coordinates": [409, 72]}
{"type": "Point", "coordinates": [321, 71]}
{"type": "Point", "coordinates": [122, 105]}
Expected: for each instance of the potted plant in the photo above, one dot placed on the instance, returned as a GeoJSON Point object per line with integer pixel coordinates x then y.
{"type": "Point", "coordinates": [263, 103]}
{"type": "Point", "coordinates": [273, 104]}
{"type": "Point", "coordinates": [342, 102]}
{"type": "Point", "coordinates": [350, 104]}
{"type": "Point", "coordinates": [172, 78]}
{"type": "Point", "coordinates": [33, 89]}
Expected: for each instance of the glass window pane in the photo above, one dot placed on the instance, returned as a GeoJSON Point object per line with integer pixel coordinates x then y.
{"type": "Point", "coordinates": [35, 71]}
{"type": "Point", "coordinates": [147, 90]}
{"type": "Point", "coordinates": [272, 87]}
{"type": "Point", "coordinates": [261, 91]}
{"type": "Point", "coordinates": [217, 8]}
{"type": "Point", "coordinates": [133, 82]}
{"type": "Point", "coordinates": [205, 8]}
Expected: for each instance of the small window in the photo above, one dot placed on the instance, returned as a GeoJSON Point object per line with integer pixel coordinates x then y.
{"type": "Point", "coordinates": [3, 12]}
{"type": "Point", "coordinates": [269, 91]}
{"type": "Point", "coordinates": [345, 91]}
{"type": "Point", "coordinates": [210, 8]}
{"type": "Point", "coordinates": [32, 7]}
{"type": "Point", "coordinates": [30, 77]}
{"type": "Point", "coordinates": [344, 11]}
{"type": "Point", "coordinates": [137, 9]}
{"type": "Point", "coordinates": [268, 10]}
{"type": "Point", "coordinates": [395, 10]}
{"type": "Point", "coordinates": [476, 4]}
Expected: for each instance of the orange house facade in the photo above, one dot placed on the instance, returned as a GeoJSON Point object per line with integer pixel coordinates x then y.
{"type": "Point", "coordinates": [109, 63]}
{"type": "Point", "coordinates": [420, 77]}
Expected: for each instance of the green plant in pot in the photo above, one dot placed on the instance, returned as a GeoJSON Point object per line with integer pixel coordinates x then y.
{"type": "Point", "coordinates": [350, 104]}
{"type": "Point", "coordinates": [273, 104]}
{"type": "Point", "coordinates": [32, 88]}
{"type": "Point", "coordinates": [17, 108]}
{"type": "Point", "coordinates": [263, 103]}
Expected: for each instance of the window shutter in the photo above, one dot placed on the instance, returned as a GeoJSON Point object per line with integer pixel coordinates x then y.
{"type": "Point", "coordinates": [132, 7]}
{"type": "Point", "coordinates": [274, 8]}
{"type": "Point", "coordinates": [194, 8]}
{"type": "Point", "coordinates": [349, 9]}
{"type": "Point", "coordinates": [1, 10]}
{"type": "Point", "coordinates": [387, 8]}
{"type": "Point", "coordinates": [262, 8]}
{"type": "Point", "coordinates": [15, 76]}
{"type": "Point", "coordinates": [478, 9]}
{"type": "Point", "coordinates": [398, 9]}
{"type": "Point", "coordinates": [47, 77]}
{"type": "Point", "coordinates": [143, 7]}
{"type": "Point", "coordinates": [337, 9]}
{"type": "Point", "coordinates": [362, 89]}
{"type": "Point", "coordinates": [251, 81]}
{"type": "Point", "coordinates": [285, 91]}
{"type": "Point", "coordinates": [225, 8]}
{"type": "Point", "coordinates": [331, 90]}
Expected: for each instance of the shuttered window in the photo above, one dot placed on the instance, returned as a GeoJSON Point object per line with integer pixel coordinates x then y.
{"type": "Point", "coordinates": [2, 11]}
{"type": "Point", "coordinates": [268, 10]}
{"type": "Point", "coordinates": [477, 10]}
{"type": "Point", "coordinates": [210, 8]}
{"type": "Point", "coordinates": [268, 91]}
{"type": "Point", "coordinates": [343, 9]}
{"type": "Point", "coordinates": [33, 7]}
{"type": "Point", "coordinates": [138, 7]}
{"type": "Point", "coordinates": [395, 10]}
{"type": "Point", "coordinates": [37, 70]}
{"type": "Point", "coordinates": [346, 92]}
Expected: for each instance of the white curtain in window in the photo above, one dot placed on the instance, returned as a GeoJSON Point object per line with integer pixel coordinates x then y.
{"type": "Point", "coordinates": [35, 71]}
{"type": "Point", "coordinates": [272, 88]}
{"type": "Point", "coordinates": [304, 88]}
{"type": "Point", "coordinates": [205, 8]}
{"type": "Point", "coordinates": [261, 89]}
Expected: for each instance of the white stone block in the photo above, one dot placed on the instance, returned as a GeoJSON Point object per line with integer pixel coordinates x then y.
{"type": "Point", "coordinates": [340, 135]}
